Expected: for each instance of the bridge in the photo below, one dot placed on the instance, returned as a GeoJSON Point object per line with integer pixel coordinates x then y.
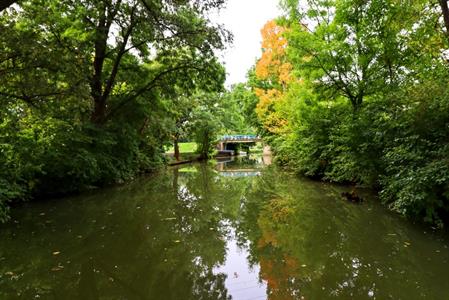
{"type": "Point", "coordinates": [230, 142]}
{"type": "Point", "coordinates": [240, 138]}
{"type": "Point", "coordinates": [240, 173]}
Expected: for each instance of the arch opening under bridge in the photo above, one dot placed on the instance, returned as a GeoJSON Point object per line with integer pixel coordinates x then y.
{"type": "Point", "coordinates": [232, 144]}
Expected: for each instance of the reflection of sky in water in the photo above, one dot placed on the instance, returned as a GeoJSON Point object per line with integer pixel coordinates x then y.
{"type": "Point", "coordinates": [239, 173]}
{"type": "Point", "coordinates": [242, 282]}
{"type": "Point", "coordinates": [240, 166]}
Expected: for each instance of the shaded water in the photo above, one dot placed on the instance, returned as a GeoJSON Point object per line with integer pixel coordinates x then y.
{"type": "Point", "coordinates": [231, 230]}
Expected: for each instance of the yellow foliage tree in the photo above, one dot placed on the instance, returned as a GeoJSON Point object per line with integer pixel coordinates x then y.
{"type": "Point", "coordinates": [274, 70]}
{"type": "Point", "coordinates": [273, 64]}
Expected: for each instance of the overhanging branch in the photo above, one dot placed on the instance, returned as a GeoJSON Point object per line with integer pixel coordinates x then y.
{"type": "Point", "coordinates": [148, 87]}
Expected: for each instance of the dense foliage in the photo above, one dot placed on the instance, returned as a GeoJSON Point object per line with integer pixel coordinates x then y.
{"type": "Point", "coordinates": [356, 91]}
{"type": "Point", "coordinates": [345, 90]}
{"type": "Point", "coordinates": [86, 88]}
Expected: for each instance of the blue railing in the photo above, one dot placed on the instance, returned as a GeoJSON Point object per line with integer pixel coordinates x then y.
{"type": "Point", "coordinates": [239, 137]}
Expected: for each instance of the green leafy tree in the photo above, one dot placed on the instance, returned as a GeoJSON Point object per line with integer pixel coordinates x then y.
{"type": "Point", "coordinates": [183, 110]}
{"type": "Point", "coordinates": [239, 107]}
{"type": "Point", "coordinates": [207, 123]}
{"type": "Point", "coordinates": [90, 80]}
{"type": "Point", "coordinates": [351, 48]}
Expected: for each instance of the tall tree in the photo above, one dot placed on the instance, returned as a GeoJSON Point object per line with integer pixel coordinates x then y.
{"type": "Point", "coordinates": [273, 74]}
{"type": "Point", "coordinates": [67, 65]}
{"type": "Point", "coordinates": [171, 38]}
{"type": "Point", "coordinates": [182, 109]}
{"type": "Point", "coordinates": [351, 48]}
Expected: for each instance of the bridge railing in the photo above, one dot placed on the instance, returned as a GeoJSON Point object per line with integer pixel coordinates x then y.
{"type": "Point", "coordinates": [239, 137]}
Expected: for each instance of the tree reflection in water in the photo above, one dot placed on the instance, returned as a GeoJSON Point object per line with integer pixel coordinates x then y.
{"type": "Point", "coordinates": [311, 243]}
{"type": "Point", "coordinates": [160, 238]}
{"type": "Point", "coordinates": [165, 237]}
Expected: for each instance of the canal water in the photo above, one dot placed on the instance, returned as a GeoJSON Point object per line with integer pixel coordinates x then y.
{"type": "Point", "coordinates": [240, 229]}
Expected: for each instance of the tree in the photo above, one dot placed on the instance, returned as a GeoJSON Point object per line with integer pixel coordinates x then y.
{"type": "Point", "coordinates": [207, 122]}
{"type": "Point", "coordinates": [170, 38]}
{"type": "Point", "coordinates": [351, 48]}
{"type": "Point", "coordinates": [182, 109]}
{"type": "Point", "coordinates": [273, 65]}
{"type": "Point", "coordinates": [93, 80]}
{"type": "Point", "coordinates": [238, 113]}
{"type": "Point", "coordinates": [271, 77]}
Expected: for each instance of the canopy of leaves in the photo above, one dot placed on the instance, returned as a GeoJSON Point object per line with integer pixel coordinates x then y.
{"type": "Point", "coordinates": [93, 81]}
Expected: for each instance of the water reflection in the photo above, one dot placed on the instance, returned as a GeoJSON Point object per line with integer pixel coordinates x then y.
{"type": "Point", "coordinates": [157, 239]}
{"type": "Point", "coordinates": [240, 166]}
{"type": "Point", "coordinates": [195, 233]}
{"type": "Point", "coordinates": [310, 243]}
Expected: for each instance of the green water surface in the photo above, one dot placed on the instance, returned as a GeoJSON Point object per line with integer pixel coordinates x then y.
{"type": "Point", "coordinates": [229, 230]}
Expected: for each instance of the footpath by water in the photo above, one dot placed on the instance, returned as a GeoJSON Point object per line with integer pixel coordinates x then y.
{"type": "Point", "coordinates": [239, 229]}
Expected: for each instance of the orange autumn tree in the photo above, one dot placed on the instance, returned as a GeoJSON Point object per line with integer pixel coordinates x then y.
{"type": "Point", "coordinates": [274, 71]}
{"type": "Point", "coordinates": [278, 265]}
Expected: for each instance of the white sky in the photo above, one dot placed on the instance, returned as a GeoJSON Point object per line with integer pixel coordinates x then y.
{"type": "Point", "coordinates": [245, 19]}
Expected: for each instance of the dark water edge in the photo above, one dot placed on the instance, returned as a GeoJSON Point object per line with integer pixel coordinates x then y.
{"type": "Point", "coordinates": [236, 229]}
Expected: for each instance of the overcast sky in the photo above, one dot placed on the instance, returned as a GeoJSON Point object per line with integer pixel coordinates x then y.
{"type": "Point", "coordinates": [245, 19]}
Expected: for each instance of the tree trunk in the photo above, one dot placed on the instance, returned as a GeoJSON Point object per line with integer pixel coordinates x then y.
{"type": "Point", "coordinates": [176, 146]}
{"type": "Point", "coordinates": [101, 89]}
{"type": "Point", "coordinates": [204, 153]}
{"type": "Point", "coordinates": [96, 81]}
{"type": "Point", "coordinates": [99, 113]}
{"type": "Point", "coordinates": [445, 12]}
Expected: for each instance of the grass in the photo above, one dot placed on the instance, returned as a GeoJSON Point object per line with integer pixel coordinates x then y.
{"type": "Point", "coordinates": [187, 152]}
{"type": "Point", "coordinates": [183, 148]}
